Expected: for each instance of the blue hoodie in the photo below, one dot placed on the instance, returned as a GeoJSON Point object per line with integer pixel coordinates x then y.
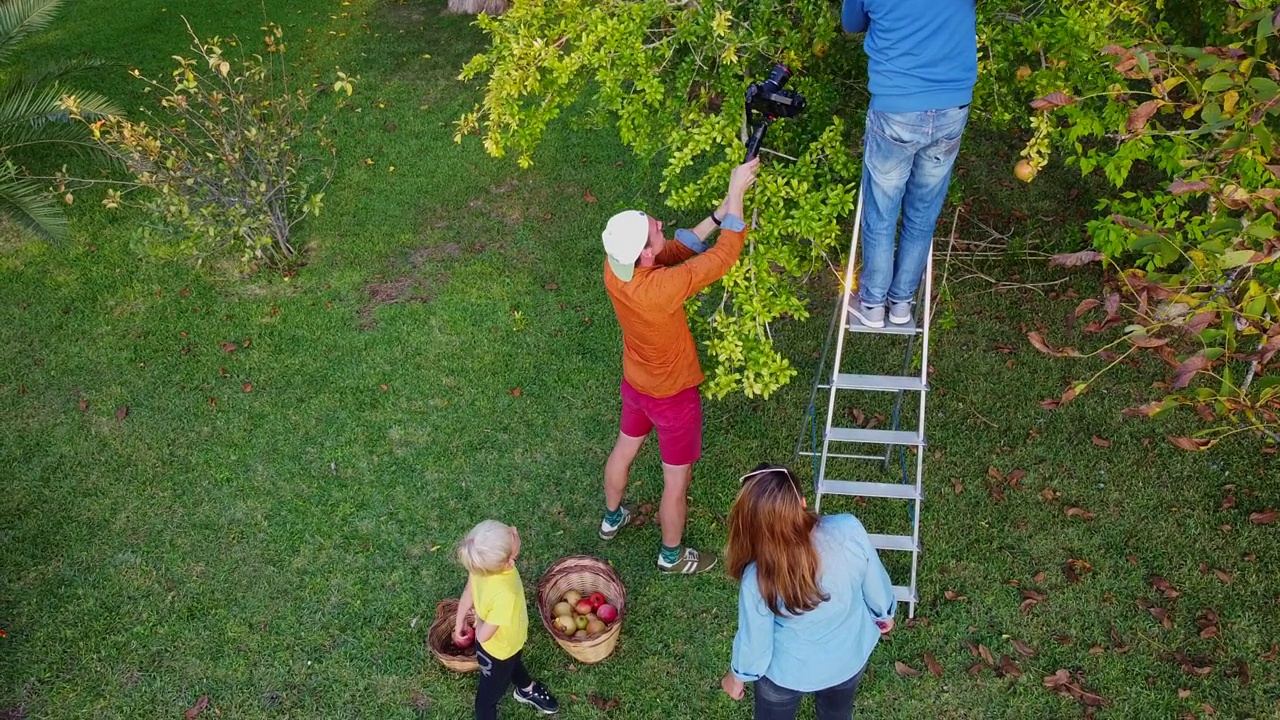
{"type": "Point", "coordinates": [921, 54]}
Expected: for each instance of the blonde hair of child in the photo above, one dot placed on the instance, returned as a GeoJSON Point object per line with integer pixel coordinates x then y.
{"type": "Point", "coordinates": [486, 549]}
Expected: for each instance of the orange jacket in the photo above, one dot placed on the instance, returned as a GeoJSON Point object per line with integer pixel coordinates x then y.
{"type": "Point", "coordinates": [659, 357]}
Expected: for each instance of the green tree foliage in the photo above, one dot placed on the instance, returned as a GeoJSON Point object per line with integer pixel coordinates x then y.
{"type": "Point", "coordinates": [35, 121]}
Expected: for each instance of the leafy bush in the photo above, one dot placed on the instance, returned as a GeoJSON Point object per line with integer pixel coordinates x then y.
{"type": "Point", "coordinates": [233, 163]}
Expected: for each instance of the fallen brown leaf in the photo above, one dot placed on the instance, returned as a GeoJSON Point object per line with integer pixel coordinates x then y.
{"type": "Point", "coordinates": [1038, 577]}
{"type": "Point", "coordinates": [603, 704]}
{"type": "Point", "coordinates": [1050, 494]}
{"type": "Point", "coordinates": [1057, 679]}
{"type": "Point", "coordinates": [1101, 442]}
{"type": "Point", "coordinates": [957, 486]}
{"type": "Point", "coordinates": [515, 392]}
{"type": "Point", "coordinates": [1015, 477]}
{"type": "Point", "coordinates": [1080, 513]}
{"type": "Point", "coordinates": [1062, 639]}
{"type": "Point", "coordinates": [586, 195]}
{"type": "Point", "coordinates": [953, 596]}
{"type": "Point", "coordinates": [1161, 615]}
{"type": "Point", "coordinates": [83, 405]}
{"type": "Point", "coordinates": [1024, 649]}
{"type": "Point", "coordinates": [1096, 650]}
{"type": "Point", "coordinates": [1117, 643]}
{"type": "Point", "coordinates": [1240, 671]}
{"type": "Point", "coordinates": [122, 412]}
{"type": "Point", "coordinates": [551, 286]}
{"type": "Point", "coordinates": [1266, 517]}
{"type": "Point", "coordinates": [904, 669]}
{"type": "Point", "coordinates": [1190, 444]}
{"type": "Point", "coordinates": [228, 347]}
{"type": "Point", "coordinates": [1007, 667]}
{"type": "Point", "coordinates": [1222, 575]}
{"type": "Point", "coordinates": [1163, 586]}
{"type": "Point", "coordinates": [247, 387]}
{"type": "Point", "coordinates": [931, 663]}
{"type": "Point", "coordinates": [985, 653]}
{"type": "Point", "coordinates": [198, 708]}
{"type": "Point", "coordinates": [975, 668]}
{"type": "Point", "coordinates": [1183, 694]}
{"type": "Point", "coordinates": [1272, 653]}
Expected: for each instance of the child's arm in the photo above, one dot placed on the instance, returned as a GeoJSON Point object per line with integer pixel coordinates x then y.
{"type": "Point", "coordinates": [464, 606]}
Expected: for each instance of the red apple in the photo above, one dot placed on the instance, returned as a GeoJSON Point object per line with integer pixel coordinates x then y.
{"type": "Point", "coordinates": [583, 607]}
{"type": "Point", "coordinates": [464, 638]}
{"type": "Point", "coordinates": [597, 599]}
{"type": "Point", "coordinates": [607, 613]}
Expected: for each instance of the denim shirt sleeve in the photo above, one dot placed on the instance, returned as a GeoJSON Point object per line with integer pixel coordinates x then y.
{"type": "Point", "coordinates": [689, 239]}
{"type": "Point", "coordinates": [853, 16]}
{"type": "Point", "coordinates": [877, 589]}
{"type": "Point", "coordinates": [753, 643]}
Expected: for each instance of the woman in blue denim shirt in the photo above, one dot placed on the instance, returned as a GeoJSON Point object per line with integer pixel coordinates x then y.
{"type": "Point", "coordinates": [814, 600]}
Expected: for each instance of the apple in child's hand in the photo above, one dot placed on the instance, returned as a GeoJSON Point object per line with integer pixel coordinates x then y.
{"type": "Point", "coordinates": [607, 613]}
{"type": "Point", "coordinates": [463, 638]}
{"type": "Point", "coordinates": [583, 607]}
{"type": "Point", "coordinates": [597, 599]}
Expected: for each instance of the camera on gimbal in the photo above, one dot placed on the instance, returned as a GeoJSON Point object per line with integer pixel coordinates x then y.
{"type": "Point", "coordinates": [766, 102]}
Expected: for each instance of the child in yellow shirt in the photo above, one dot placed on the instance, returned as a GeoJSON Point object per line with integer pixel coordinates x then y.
{"type": "Point", "coordinates": [489, 553]}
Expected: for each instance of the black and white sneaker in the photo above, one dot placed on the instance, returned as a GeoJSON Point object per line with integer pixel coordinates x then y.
{"type": "Point", "coordinates": [538, 697]}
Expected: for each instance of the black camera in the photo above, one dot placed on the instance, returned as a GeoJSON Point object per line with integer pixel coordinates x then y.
{"type": "Point", "coordinates": [766, 102]}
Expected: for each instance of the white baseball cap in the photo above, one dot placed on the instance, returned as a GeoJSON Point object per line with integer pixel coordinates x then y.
{"type": "Point", "coordinates": [624, 239]}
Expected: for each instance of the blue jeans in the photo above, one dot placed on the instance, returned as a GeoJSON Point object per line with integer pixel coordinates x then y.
{"type": "Point", "coordinates": [906, 169]}
{"type": "Point", "coordinates": [774, 702]}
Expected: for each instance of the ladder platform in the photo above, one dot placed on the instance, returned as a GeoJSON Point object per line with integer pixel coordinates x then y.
{"type": "Point", "coordinates": [889, 383]}
{"type": "Point", "coordinates": [897, 491]}
{"type": "Point", "coordinates": [905, 543]}
{"type": "Point", "coordinates": [902, 593]}
{"type": "Point", "coordinates": [878, 437]}
{"type": "Point", "coordinates": [907, 328]}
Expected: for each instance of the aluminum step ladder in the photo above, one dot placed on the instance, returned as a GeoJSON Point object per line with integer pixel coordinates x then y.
{"type": "Point", "coordinates": [834, 381]}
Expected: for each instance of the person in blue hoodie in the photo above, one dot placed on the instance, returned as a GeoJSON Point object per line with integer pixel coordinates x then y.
{"type": "Point", "coordinates": [922, 58]}
{"type": "Point", "coordinates": [813, 603]}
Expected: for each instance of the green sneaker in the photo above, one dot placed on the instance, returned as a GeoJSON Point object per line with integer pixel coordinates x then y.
{"type": "Point", "coordinates": [689, 563]}
{"type": "Point", "coordinates": [608, 532]}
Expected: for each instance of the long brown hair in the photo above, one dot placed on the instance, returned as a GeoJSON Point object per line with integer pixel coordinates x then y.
{"type": "Point", "coordinates": [770, 526]}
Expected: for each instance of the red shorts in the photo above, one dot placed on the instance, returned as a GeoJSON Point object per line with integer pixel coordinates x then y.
{"type": "Point", "coordinates": [678, 419]}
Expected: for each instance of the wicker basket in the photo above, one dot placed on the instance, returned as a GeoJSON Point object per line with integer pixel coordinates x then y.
{"type": "Point", "coordinates": [586, 575]}
{"type": "Point", "coordinates": [440, 639]}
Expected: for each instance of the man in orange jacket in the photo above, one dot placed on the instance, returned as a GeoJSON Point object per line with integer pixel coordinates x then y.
{"type": "Point", "coordinates": [648, 279]}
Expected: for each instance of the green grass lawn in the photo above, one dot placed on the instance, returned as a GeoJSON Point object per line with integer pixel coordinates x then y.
{"type": "Point", "coordinates": [271, 526]}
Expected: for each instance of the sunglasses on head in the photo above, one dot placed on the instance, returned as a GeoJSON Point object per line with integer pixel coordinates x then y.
{"type": "Point", "coordinates": [795, 487]}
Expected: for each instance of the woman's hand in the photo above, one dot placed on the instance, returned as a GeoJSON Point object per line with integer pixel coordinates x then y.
{"type": "Point", "coordinates": [733, 687]}
{"type": "Point", "coordinates": [885, 626]}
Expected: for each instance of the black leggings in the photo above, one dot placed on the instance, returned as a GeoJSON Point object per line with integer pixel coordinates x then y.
{"type": "Point", "coordinates": [495, 677]}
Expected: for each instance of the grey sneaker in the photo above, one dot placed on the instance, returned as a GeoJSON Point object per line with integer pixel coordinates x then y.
{"type": "Point", "coordinates": [608, 532]}
{"type": "Point", "coordinates": [872, 317]}
{"type": "Point", "coordinates": [689, 563]}
{"type": "Point", "coordinates": [900, 313]}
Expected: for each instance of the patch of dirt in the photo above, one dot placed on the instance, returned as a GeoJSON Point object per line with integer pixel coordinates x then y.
{"type": "Point", "coordinates": [386, 292]}
{"type": "Point", "coordinates": [435, 253]}
{"type": "Point", "coordinates": [17, 712]}
{"type": "Point", "coordinates": [131, 678]}
{"type": "Point", "coordinates": [402, 13]}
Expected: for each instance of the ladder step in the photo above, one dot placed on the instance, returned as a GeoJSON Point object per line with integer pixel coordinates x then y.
{"type": "Point", "coordinates": [878, 437]}
{"type": "Point", "coordinates": [899, 491]}
{"type": "Point", "coordinates": [905, 543]}
{"type": "Point", "coordinates": [849, 381]}
{"type": "Point", "coordinates": [902, 593]}
{"type": "Point", "coordinates": [908, 328]}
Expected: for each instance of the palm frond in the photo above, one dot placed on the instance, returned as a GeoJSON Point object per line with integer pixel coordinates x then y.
{"type": "Point", "coordinates": [20, 18]}
{"type": "Point", "coordinates": [31, 206]}
{"type": "Point", "coordinates": [61, 70]}
{"type": "Point", "coordinates": [40, 106]}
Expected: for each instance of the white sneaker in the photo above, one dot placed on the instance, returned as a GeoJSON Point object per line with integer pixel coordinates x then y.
{"type": "Point", "coordinates": [900, 313]}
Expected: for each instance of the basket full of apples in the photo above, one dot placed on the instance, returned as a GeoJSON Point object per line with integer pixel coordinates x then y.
{"type": "Point", "coordinates": [459, 657]}
{"type": "Point", "coordinates": [581, 601]}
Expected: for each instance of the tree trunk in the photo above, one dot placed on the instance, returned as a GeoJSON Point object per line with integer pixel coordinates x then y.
{"type": "Point", "coordinates": [475, 7]}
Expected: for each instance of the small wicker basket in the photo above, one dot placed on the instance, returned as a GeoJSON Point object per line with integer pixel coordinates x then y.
{"type": "Point", "coordinates": [440, 639]}
{"type": "Point", "coordinates": [586, 575]}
